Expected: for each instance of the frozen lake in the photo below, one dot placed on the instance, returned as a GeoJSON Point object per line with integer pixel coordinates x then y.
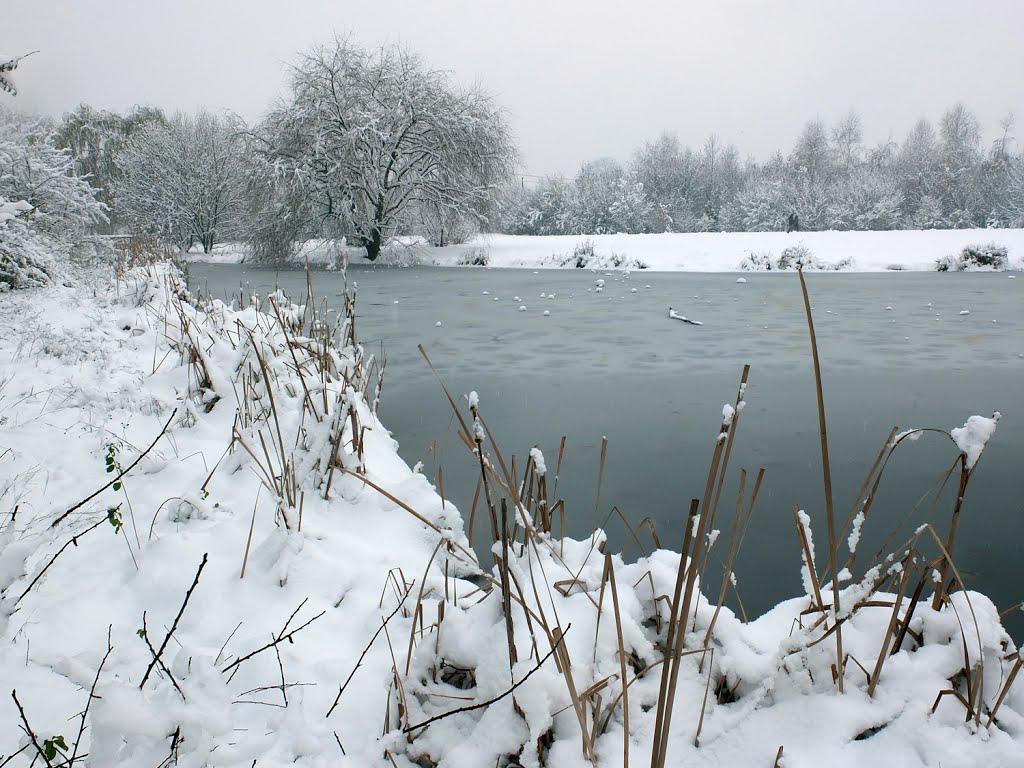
{"type": "Point", "coordinates": [896, 350]}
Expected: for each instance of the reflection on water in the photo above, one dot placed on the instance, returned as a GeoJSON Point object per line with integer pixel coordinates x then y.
{"type": "Point", "coordinates": [895, 352]}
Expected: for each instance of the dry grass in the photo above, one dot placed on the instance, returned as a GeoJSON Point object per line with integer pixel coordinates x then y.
{"type": "Point", "coordinates": [524, 511]}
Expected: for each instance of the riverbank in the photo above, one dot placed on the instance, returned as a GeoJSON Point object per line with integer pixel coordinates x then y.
{"type": "Point", "coordinates": [896, 250]}
{"type": "Point", "coordinates": [260, 553]}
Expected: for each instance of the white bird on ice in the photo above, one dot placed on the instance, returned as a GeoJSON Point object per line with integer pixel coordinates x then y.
{"type": "Point", "coordinates": [676, 316]}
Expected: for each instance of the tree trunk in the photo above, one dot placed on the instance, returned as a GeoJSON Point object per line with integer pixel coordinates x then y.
{"type": "Point", "coordinates": [373, 243]}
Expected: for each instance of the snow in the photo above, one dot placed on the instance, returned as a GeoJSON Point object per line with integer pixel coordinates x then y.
{"type": "Point", "coordinates": [538, 461]}
{"type": "Point", "coordinates": [84, 369]}
{"type": "Point", "coordinates": [972, 437]}
{"type": "Point", "coordinates": [684, 252]}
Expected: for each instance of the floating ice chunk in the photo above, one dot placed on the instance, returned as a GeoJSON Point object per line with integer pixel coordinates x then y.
{"type": "Point", "coordinates": [973, 435]}
{"type": "Point", "coordinates": [547, 312]}
{"type": "Point", "coordinates": [395, 301]}
{"type": "Point", "coordinates": [888, 309]}
{"type": "Point", "coordinates": [543, 295]}
{"type": "Point", "coordinates": [437, 324]}
{"type": "Point", "coordinates": [647, 286]}
{"type": "Point", "coordinates": [551, 295]}
{"type": "Point", "coordinates": [516, 298]}
{"type": "Point", "coordinates": [496, 298]}
{"type": "Point", "coordinates": [632, 290]}
{"type": "Point", "coordinates": [522, 307]}
{"type": "Point", "coordinates": [741, 279]}
{"type": "Point", "coordinates": [964, 312]}
{"type": "Point", "coordinates": [598, 289]}
{"type": "Point", "coordinates": [487, 293]}
{"type": "Point", "coordinates": [599, 283]}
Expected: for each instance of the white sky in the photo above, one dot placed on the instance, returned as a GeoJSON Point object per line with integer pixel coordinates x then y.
{"type": "Point", "coordinates": [580, 78]}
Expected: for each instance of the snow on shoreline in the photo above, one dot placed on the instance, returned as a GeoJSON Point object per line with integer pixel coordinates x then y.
{"type": "Point", "coordinates": [89, 380]}
{"type": "Point", "coordinates": [895, 250]}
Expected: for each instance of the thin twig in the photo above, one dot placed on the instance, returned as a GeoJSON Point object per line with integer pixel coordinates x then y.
{"type": "Point", "coordinates": [276, 641]}
{"type": "Point", "coordinates": [28, 729]}
{"type": "Point", "coordinates": [72, 540]}
{"type": "Point", "coordinates": [92, 695]}
{"type": "Point", "coordinates": [174, 626]}
{"type": "Point", "coordinates": [121, 474]}
{"type": "Point", "coordinates": [366, 650]}
{"type": "Point", "coordinates": [497, 698]}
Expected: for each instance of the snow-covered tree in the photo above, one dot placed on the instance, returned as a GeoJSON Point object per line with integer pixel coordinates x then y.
{"type": "Point", "coordinates": [182, 180]}
{"type": "Point", "coordinates": [45, 209]}
{"type": "Point", "coordinates": [669, 175]}
{"type": "Point", "coordinates": [95, 137]}
{"type": "Point", "coordinates": [371, 137]}
{"type": "Point", "coordinates": [597, 189]}
{"type": "Point", "coordinates": [866, 200]}
{"type": "Point", "coordinates": [811, 154]}
{"type": "Point", "coordinates": [547, 209]}
{"type": "Point", "coordinates": [762, 205]}
{"type": "Point", "coordinates": [960, 153]}
{"type": "Point", "coordinates": [846, 139]}
{"type": "Point", "coordinates": [7, 65]}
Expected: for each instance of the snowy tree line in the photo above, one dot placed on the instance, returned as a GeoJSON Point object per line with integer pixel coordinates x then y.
{"type": "Point", "coordinates": [936, 178]}
{"type": "Point", "coordinates": [370, 144]}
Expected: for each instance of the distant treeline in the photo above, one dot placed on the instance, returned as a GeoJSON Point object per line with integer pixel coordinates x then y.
{"type": "Point", "coordinates": [933, 179]}
{"type": "Point", "coordinates": [370, 144]}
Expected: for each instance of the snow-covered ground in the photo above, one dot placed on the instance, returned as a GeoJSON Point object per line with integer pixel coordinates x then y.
{"type": "Point", "coordinates": [266, 548]}
{"type": "Point", "coordinates": [689, 252]}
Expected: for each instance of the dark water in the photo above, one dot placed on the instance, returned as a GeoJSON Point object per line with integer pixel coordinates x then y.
{"type": "Point", "coordinates": [613, 364]}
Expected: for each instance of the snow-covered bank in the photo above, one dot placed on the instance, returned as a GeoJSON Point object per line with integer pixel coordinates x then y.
{"type": "Point", "coordinates": [687, 252]}
{"type": "Point", "coordinates": [91, 380]}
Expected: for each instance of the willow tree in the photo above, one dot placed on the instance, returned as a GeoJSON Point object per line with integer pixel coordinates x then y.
{"type": "Point", "coordinates": [368, 140]}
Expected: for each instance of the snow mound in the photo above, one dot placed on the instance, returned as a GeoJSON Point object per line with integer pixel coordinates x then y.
{"type": "Point", "coordinates": [974, 435]}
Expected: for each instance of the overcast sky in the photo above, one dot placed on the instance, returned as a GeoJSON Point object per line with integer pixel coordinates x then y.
{"type": "Point", "coordinates": [580, 78]}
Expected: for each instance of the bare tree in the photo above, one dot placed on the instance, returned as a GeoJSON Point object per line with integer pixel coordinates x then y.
{"type": "Point", "coordinates": [182, 180]}
{"type": "Point", "coordinates": [371, 138]}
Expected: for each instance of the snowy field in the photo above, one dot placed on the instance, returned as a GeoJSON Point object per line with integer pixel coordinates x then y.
{"type": "Point", "coordinates": [211, 554]}
{"type": "Point", "coordinates": [689, 252]}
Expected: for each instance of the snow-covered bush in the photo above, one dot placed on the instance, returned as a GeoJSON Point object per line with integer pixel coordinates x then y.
{"type": "Point", "coordinates": [582, 253]}
{"type": "Point", "coordinates": [141, 251]}
{"type": "Point", "coordinates": [45, 210]}
{"type": "Point", "coordinates": [975, 258]}
{"type": "Point", "coordinates": [798, 257]}
{"type": "Point", "coordinates": [585, 256]}
{"type": "Point", "coordinates": [25, 258]}
{"type": "Point", "coordinates": [475, 258]}
{"type": "Point", "coordinates": [794, 257]}
{"type": "Point", "coordinates": [757, 261]}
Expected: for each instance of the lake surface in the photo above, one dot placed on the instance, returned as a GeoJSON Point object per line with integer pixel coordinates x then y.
{"type": "Point", "coordinates": [895, 351]}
